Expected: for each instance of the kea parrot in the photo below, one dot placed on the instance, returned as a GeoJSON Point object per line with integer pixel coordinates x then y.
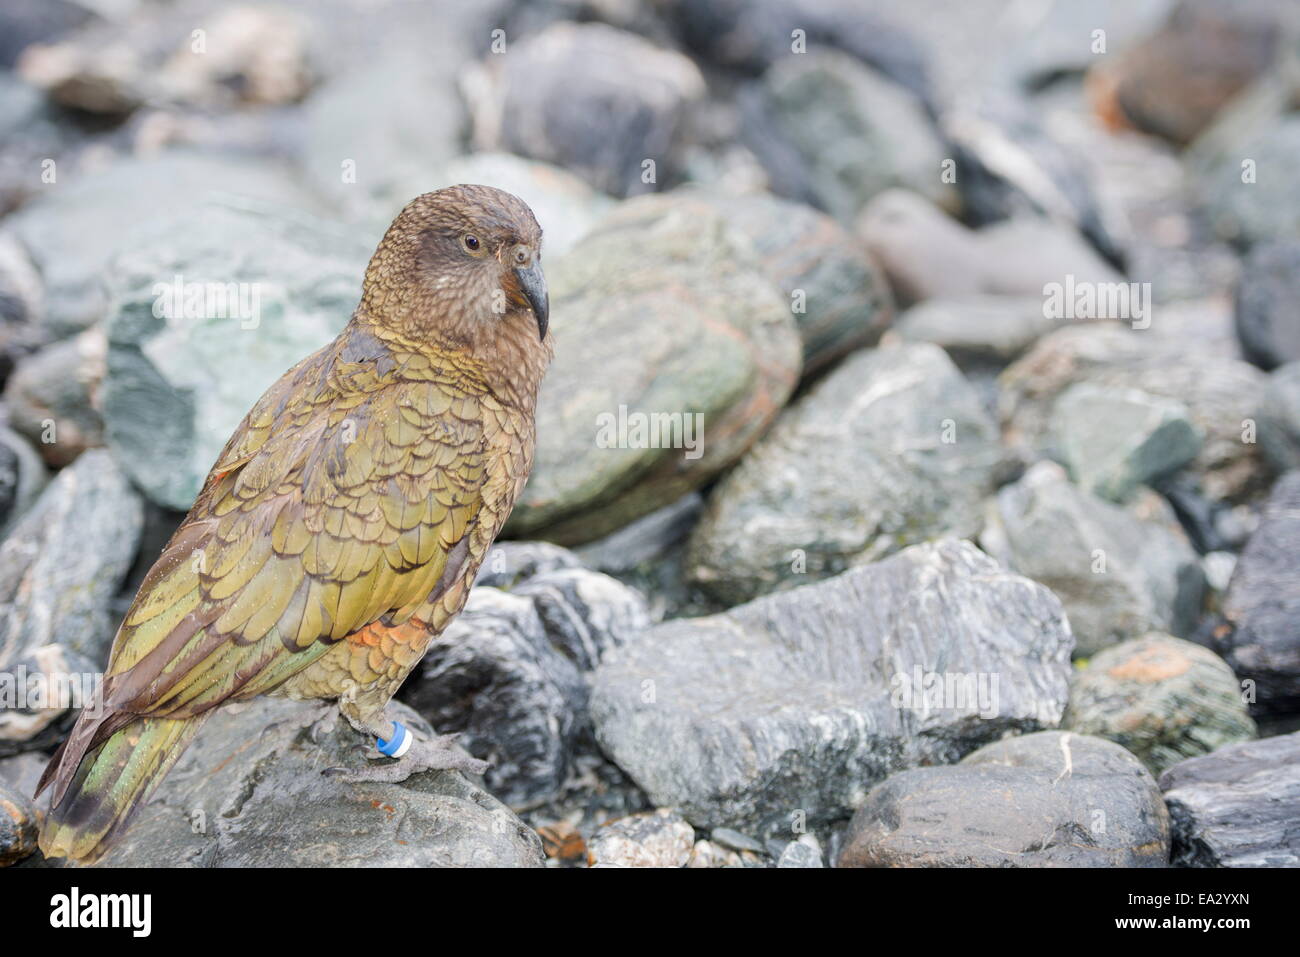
{"type": "Point", "coordinates": [342, 526]}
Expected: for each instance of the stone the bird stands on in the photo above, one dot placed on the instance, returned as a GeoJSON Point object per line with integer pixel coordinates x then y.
{"type": "Point", "coordinates": [343, 524]}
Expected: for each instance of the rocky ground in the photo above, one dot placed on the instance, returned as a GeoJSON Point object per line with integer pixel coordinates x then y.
{"type": "Point", "coordinates": [980, 555]}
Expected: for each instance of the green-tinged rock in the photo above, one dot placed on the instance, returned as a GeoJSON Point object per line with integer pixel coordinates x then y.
{"type": "Point", "coordinates": [890, 449]}
{"type": "Point", "coordinates": [176, 388]}
{"type": "Point", "coordinates": [1160, 697]}
{"type": "Point", "coordinates": [673, 354]}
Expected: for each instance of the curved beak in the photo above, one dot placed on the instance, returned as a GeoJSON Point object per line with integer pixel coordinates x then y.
{"type": "Point", "coordinates": [533, 283]}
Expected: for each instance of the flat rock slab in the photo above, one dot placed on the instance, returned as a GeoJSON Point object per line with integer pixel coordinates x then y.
{"type": "Point", "coordinates": [249, 793]}
{"type": "Point", "coordinates": [795, 704]}
{"type": "Point", "coordinates": [1237, 807]}
{"type": "Point", "coordinates": [1053, 799]}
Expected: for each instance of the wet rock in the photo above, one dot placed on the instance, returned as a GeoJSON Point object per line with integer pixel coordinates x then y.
{"type": "Point", "coordinates": [249, 793]}
{"type": "Point", "coordinates": [510, 674]}
{"type": "Point", "coordinates": [1238, 806]}
{"type": "Point", "coordinates": [1263, 605]}
{"type": "Point", "coordinates": [1053, 799]}
{"type": "Point", "coordinates": [828, 685]}
{"type": "Point", "coordinates": [633, 421]}
{"type": "Point", "coordinates": [72, 231]}
{"type": "Point", "coordinates": [838, 295]}
{"type": "Point", "coordinates": [50, 397]}
{"type": "Point", "coordinates": [1222, 396]}
{"type": "Point", "coordinates": [18, 827]}
{"type": "Point", "coordinates": [976, 329]}
{"type": "Point", "coordinates": [1279, 418]}
{"type": "Point", "coordinates": [655, 839]}
{"type": "Point", "coordinates": [59, 569]}
{"type": "Point", "coordinates": [22, 477]}
{"type": "Point", "coordinates": [593, 99]}
{"type": "Point", "coordinates": [927, 254]}
{"type": "Point", "coordinates": [1118, 574]}
{"type": "Point", "coordinates": [834, 133]}
{"type": "Point", "coordinates": [1268, 322]}
{"type": "Point", "coordinates": [176, 388]}
{"type": "Point", "coordinates": [892, 448]}
{"type": "Point", "coordinates": [1162, 698]}
{"type": "Point", "coordinates": [753, 35]}
{"type": "Point", "coordinates": [1114, 441]}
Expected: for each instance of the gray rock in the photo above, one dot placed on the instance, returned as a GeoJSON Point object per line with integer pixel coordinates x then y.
{"type": "Point", "coordinates": [1162, 698]}
{"type": "Point", "coordinates": [593, 99]}
{"type": "Point", "coordinates": [1279, 418]}
{"type": "Point", "coordinates": [975, 329]}
{"type": "Point", "coordinates": [509, 563]}
{"type": "Point", "coordinates": [834, 133]}
{"type": "Point", "coordinates": [633, 420]}
{"type": "Point", "coordinates": [18, 826]}
{"type": "Point", "coordinates": [1268, 322]}
{"type": "Point", "coordinates": [1263, 605]}
{"type": "Point", "coordinates": [22, 477]}
{"type": "Point", "coordinates": [50, 397]}
{"type": "Point", "coordinates": [1115, 440]}
{"type": "Point", "coordinates": [1118, 574]}
{"type": "Point", "coordinates": [22, 302]}
{"type": "Point", "coordinates": [249, 793]}
{"type": "Point", "coordinates": [892, 448]}
{"type": "Point", "coordinates": [1222, 396]}
{"type": "Point", "coordinates": [23, 22]}
{"type": "Point", "coordinates": [510, 674]}
{"type": "Point", "coordinates": [59, 569]}
{"type": "Point", "coordinates": [831, 687]}
{"type": "Point", "coordinates": [1008, 165]}
{"type": "Point", "coordinates": [643, 541]}
{"type": "Point", "coordinates": [751, 35]}
{"type": "Point", "coordinates": [838, 295]}
{"type": "Point", "coordinates": [1266, 209]}
{"type": "Point", "coordinates": [1053, 799]}
{"type": "Point", "coordinates": [73, 231]}
{"type": "Point", "coordinates": [805, 852]}
{"type": "Point", "coordinates": [659, 838]}
{"type": "Point", "coordinates": [927, 254]}
{"type": "Point", "coordinates": [176, 388]}
{"type": "Point", "coordinates": [1238, 806]}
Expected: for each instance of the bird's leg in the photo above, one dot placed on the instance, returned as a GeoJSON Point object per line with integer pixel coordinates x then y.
{"type": "Point", "coordinates": [392, 739]}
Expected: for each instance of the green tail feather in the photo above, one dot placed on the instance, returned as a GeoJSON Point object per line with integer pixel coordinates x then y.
{"type": "Point", "coordinates": [111, 783]}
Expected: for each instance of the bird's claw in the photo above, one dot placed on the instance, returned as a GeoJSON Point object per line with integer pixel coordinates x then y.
{"type": "Point", "coordinates": [439, 754]}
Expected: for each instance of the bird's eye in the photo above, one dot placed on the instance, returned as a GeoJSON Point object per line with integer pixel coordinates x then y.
{"type": "Point", "coordinates": [521, 255]}
{"type": "Point", "coordinates": [471, 242]}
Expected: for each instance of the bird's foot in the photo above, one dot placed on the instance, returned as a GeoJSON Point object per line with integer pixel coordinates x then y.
{"type": "Point", "coordinates": [413, 755]}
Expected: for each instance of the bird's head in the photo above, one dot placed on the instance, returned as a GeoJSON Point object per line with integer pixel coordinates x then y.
{"type": "Point", "coordinates": [461, 264]}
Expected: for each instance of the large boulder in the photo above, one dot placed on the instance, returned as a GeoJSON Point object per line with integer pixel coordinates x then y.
{"type": "Point", "coordinates": [917, 659]}
{"type": "Point", "coordinates": [249, 792]}
{"type": "Point", "coordinates": [682, 352]}
{"type": "Point", "coordinates": [74, 230]}
{"type": "Point", "coordinates": [259, 291]}
{"type": "Point", "coordinates": [890, 449]}
{"type": "Point", "coordinates": [1052, 799]}
{"type": "Point", "coordinates": [1238, 806]}
{"type": "Point", "coordinates": [1119, 573]}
